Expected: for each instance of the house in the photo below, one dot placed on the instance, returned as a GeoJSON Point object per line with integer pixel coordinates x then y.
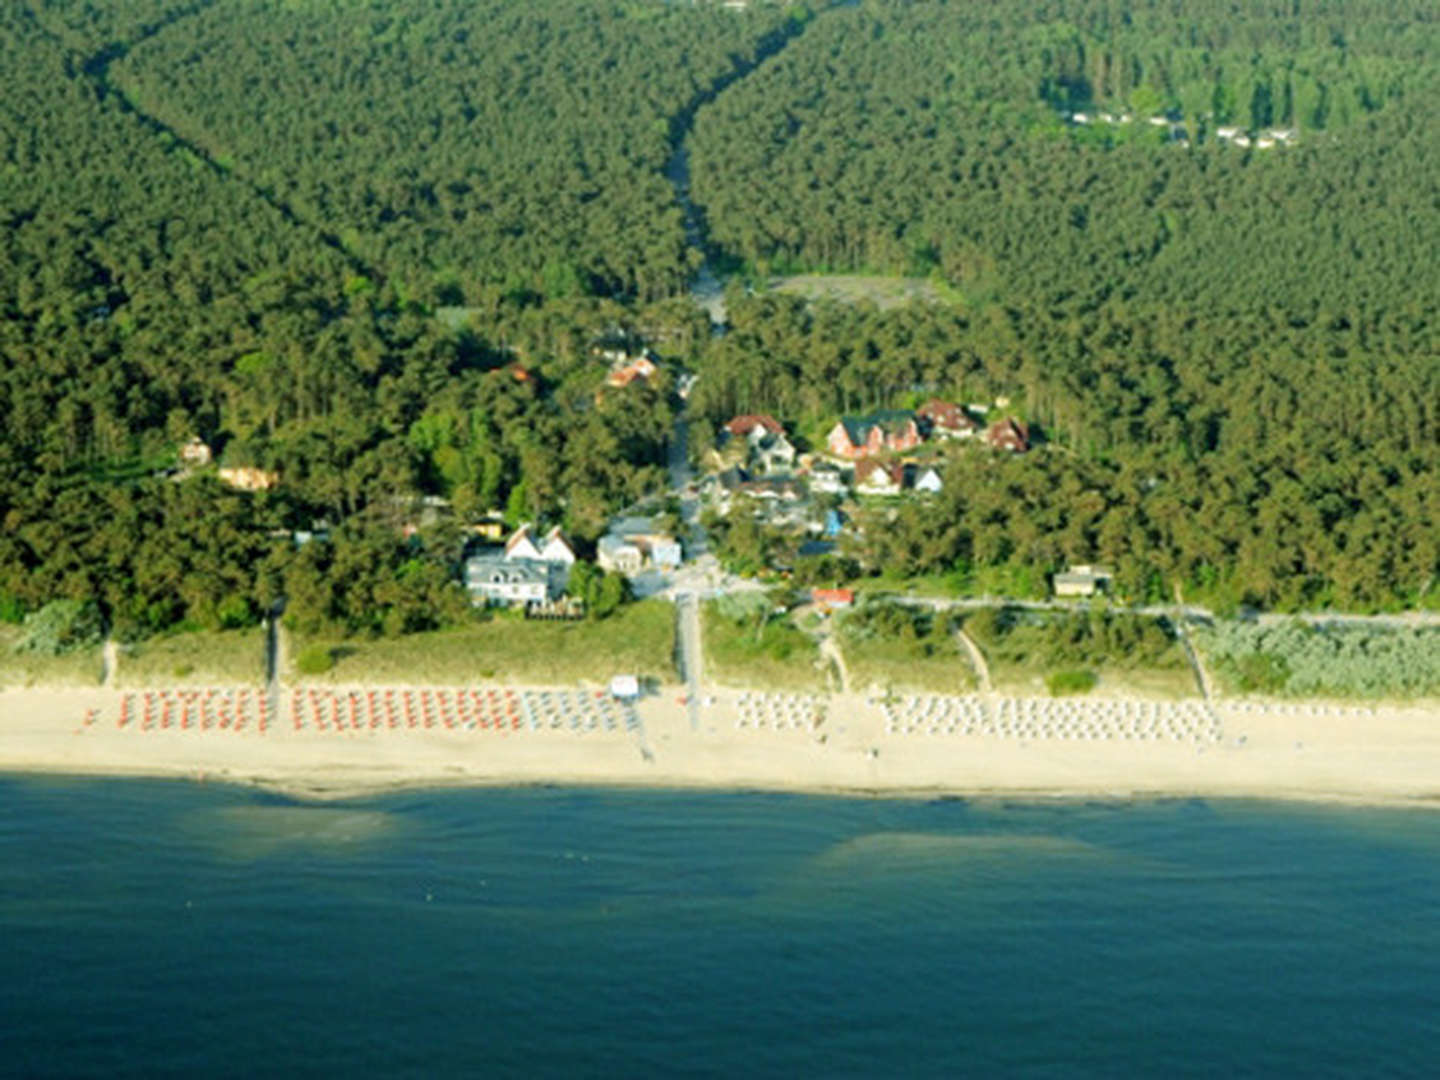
{"type": "Point", "coordinates": [929, 481]}
{"type": "Point", "coordinates": [633, 543]}
{"type": "Point", "coordinates": [618, 555]}
{"type": "Point", "coordinates": [773, 489]}
{"type": "Point", "coordinates": [874, 477]}
{"type": "Point", "coordinates": [494, 579]}
{"type": "Point", "coordinates": [556, 550]}
{"type": "Point", "coordinates": [759, 441]}
{"type": "Point", "coordinates": [826, 479]}
{"type": "Point", "coordinates": [946, 420]}
{"type": "Point", "coordinates": [491, 526]}
{"type": "Point", "coordinates": [855, 437]}
{"type": "Point", "coordinates": [1009, 434]}
{"type": "Point", "coordinates": [247, 478]}
{"type": "Point", "coordinates": [833, 598]}
{"type": "Point", "coordinates": [522, 545]}
{"type": "Point", "coordinates": [195, 454]}
{"type": "Point", "coordinates": [1081, 581]}
{"type": "Point", "coordinates": [625, 369]}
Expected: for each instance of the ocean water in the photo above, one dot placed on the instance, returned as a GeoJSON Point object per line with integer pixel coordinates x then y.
{"type": "Point", "coordinates": [162, 929]}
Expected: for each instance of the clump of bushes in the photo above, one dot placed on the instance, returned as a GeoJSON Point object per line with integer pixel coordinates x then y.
{"type": "Point", "coordinates": [1067, 641]}
{"type": "Point", "coordinates": [1062, 683]}
{"type": "Point", "coordinates": [1298, 659]}
{"type": "Point", "coordinates": [316, 660]}
{"type": "Point", "coordinates": [62, 626]}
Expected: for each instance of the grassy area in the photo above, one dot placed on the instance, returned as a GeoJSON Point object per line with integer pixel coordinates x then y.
{"type": "Point", "coordinates": [638, 639]}
{"type": "Point", "coordinates": [83, 668]}
{"type": "Point", "coordinates": [202, 658]}
{"type": "Point", "coordinates": [883, 291]}
{"type": "Point", "coordinates": [904, 649]}
{"type": "Point", "coordinates": [781, 657]}
{"type": "Point", "coordinates": [1127, 654]}
{"type": "Point", "coordinates": [1111, 680]}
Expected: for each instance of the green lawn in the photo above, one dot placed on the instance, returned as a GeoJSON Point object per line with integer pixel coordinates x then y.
{"type": "Point", "coordinates": [202, 658]}
{"type": "Point", "coordinates": [83, 668]}
{"type": "Point", "coordinates": [638, 639]}
{"type": "Point", "coordinates": [783, 657]}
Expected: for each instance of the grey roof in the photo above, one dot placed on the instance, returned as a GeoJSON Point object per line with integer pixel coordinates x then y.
{"type": "Point", "coordinates": [498, 570]}
{"type": "Point", "coordinates": [887, 420]}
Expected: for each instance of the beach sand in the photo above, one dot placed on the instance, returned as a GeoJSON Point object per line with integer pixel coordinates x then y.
{"type": "Point", "coordinates": [1384, 754]}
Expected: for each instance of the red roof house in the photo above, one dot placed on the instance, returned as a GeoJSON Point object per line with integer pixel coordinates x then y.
{"type": "Point", "coordinates": [946, 420]}
{"type": "Point", "coordinates": [1009, 434]}
{"type": "Point", "coordinates": [742, 426]}
{"type": "Point", "coordinates": [855, 437]}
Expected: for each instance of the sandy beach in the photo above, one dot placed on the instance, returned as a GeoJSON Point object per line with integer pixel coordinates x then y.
{"type": "Point", "coordinates": [335, 743]}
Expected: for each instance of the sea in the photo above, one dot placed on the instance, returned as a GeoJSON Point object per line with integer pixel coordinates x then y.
{"type": "Point", "coordinates": [156, 929]}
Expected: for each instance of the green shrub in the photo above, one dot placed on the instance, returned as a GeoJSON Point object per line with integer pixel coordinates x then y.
{"type": "Point", "coordinates": [62, 626]}
{"type": "Point", "coordinates": [315, 660]}
{"type": "Point", "coordinates": [1061, 683]}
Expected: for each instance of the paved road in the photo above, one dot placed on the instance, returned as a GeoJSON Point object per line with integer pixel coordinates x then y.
{"type": "Point", "coordinates": [1409, 620]}
{"type": "Point", "coordinates": [687, 615]}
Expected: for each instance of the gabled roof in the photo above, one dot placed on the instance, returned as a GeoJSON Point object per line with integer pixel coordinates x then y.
{"type": "Point", "coordinates": [557, 549]}
{"type": "Point", "coordinates": [491, 569]}
{"type": "Point", "coordinates": [889, 421]}
{"type": "Point", "coordinates": [1010, 432]}
{"type": "Point", "coordinates": [522, 544]}
{"type": "Point", "coordinates": [865, 471]}
{"type": "Point", "coordinates": [946, 414]}
{"type": "Point", "coordinates": [748, 422]}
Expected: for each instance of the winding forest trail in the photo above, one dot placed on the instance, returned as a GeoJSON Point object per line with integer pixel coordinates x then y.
{"type": "Point", "coordinates": [707, 290]}
{"type": "Point", "coordinates": [96, 69]}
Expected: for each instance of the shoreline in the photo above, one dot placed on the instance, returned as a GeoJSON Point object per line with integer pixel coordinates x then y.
{"type": "Point", "coordinates": [331, 744]}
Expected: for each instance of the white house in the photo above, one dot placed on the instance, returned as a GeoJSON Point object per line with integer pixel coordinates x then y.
{"type": "Point", "coordinates": [556, 549]}
{"type": "Point", "coordinates": [552, 551]}
{"type": "Point", "coordinates": [496, 579]}
{"type": "Point", "coordinates": [522, 545]}
{"type": "Point", "coordinates": [1081, 581]}
{"type": "Point", "coordinates": [618, 555]}
{"type": "Point", "coordinates": [827, 479]}
{"type": "Point", "coordinates": [878, 478]}
{"type": "Point", "coordinates": [929, 481]}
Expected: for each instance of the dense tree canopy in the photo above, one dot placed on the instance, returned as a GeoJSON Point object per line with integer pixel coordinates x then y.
{"type": "Point", "coordinates": [240, 219]}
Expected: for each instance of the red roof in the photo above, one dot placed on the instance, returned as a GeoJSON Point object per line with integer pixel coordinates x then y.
{"type": "Point", "coordinates": [868, 467]}
{"type": "Point", "coordinates": [743, 425]}
{"type": "Point", "coordinates": [1009, 434]}
{"type": "Point", "coordinates": [833, 597]}
{"type": "Point", "coordinates": [946, 414]}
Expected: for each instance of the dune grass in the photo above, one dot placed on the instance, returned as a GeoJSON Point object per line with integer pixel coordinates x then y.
{"type": "Point", "coordinates": [85, 667]}
{"type": "Point", "coordinates": [780, 656]}
{"type": "Point", "coordinates": [199, 658]}
{"type": "Point", "coordinates": [930, 667]}
{"type": "Point", "coordinates": [638, 639]}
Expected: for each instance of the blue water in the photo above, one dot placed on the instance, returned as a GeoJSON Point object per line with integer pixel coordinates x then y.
{"type": "Point", "coordinates": [157, 929]}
